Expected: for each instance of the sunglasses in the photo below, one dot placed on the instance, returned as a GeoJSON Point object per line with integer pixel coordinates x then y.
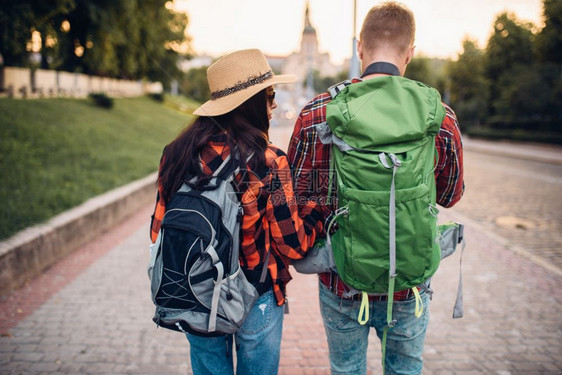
{"type": "Point", "coordinates": [271, 95]}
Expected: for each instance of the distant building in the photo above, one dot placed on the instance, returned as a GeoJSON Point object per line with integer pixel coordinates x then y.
{"type": "Point", "coordinates": [301, 63]}
{"type": "Point", "coordinates": [304, 62]}
{"type": "Point", "coordinates": [308, 57]}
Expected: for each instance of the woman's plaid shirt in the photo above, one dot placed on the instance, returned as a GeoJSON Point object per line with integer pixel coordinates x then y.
{"type": "Point", "coordinates": [310, 160]}
{"type": "Point", "coordinates": [271, 221]}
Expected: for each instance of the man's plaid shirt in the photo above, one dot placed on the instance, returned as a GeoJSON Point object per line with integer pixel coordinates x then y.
{"type": "Point", "coordinates": [310, 161]}
{"type": "Point", "coordinates": [271, 222]}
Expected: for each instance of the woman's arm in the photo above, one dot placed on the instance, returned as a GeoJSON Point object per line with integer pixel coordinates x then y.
{"type": "Point", "coordinates": [293, 231]}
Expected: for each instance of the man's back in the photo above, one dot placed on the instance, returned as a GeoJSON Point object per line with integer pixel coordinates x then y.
{"type": "Point", "coordinates": [383, 130]}
{"type": "Point", "coordinates": [310, 161]}
{"type": "Point", "coordinates": [386, 47]}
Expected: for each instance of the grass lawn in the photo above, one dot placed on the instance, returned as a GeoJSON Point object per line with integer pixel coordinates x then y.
{"type": "Point", "coordinates": [57, 153]}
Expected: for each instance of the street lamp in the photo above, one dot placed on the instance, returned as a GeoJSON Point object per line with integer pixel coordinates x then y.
{"type": "Point", "coordinates": [354, 64]}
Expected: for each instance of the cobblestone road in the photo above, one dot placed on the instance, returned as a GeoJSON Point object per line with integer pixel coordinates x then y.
{"type": "Point", "coordinates": [521, 200]}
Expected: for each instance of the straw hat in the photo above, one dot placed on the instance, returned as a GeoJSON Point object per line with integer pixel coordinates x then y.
{"type": "Point", "coordinates": [237, 77]}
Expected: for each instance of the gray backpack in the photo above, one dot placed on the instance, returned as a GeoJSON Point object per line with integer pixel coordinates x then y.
{"type": "Point", "coordinates": [197, 284]}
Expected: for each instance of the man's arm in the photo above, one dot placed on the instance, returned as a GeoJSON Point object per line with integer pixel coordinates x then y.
{"type": "Point", "coordinates": [449, 174]}
{"type": "Point", "coordinates": [309, 158]}
{"type": "Point", "coordinates": [301, 164]}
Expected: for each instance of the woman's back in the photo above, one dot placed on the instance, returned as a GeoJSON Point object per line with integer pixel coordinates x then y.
{"type": "Point", "coordinates": [235, 123]}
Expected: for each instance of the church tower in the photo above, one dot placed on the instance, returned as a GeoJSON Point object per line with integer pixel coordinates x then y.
{"type": "Point", "coordinates": [309, 41]}
{"type": "Point", "coordinates": [309, 48]}
{"type": "Point", "coordinates": [307, 62]}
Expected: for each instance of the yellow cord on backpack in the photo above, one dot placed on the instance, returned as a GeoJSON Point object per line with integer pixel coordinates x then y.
{"type": "Point", "coordinates": [419, 303]}
{"type": "Point", "coordinates": [364, 309]}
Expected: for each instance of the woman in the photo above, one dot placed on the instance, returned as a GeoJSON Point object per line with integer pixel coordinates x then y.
{"type": "Point", "coordinates": [273, 231]}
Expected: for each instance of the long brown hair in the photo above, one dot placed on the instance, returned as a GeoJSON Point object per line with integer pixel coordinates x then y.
{"type": "Point", "coordinates": [246, 127]}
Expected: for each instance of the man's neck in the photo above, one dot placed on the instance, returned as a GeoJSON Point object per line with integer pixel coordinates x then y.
{"type": "Point", "coordinates": [387, 59]}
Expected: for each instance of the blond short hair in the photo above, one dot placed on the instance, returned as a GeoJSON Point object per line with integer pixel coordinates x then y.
{"type": "Point", "coordinates": [389, 25]}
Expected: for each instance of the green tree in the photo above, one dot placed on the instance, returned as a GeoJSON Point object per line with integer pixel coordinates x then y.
{"type": "Point", "coordinates": [323, 83]}
{"type": "Point", "coordinates": [120, 38]}
{"type": "Point", "coordinates": [549, 39]}
{"type": "Point", "coordinates": [429, 71]}
{"type": "Point", "coordinates": [195, 84]}
{"type": "Point", "coordinates": [418, 69]}
{"type": "Point", "coordinates": [525, 94]}
{"type": "Point", "coordinates": [468, 86]}
{"type": "Point", "coordinates": [90, 43]}
{"type": "Point", "coordinates": [509, 46]}
{"type": "Point", "coordinates": [524, 100]}
{"type": "Point", "coordinates": [164, 41]}
{"type": "Point", "coordinates": [549, 52]}
{"type": "Point", "coordinates": [17, 21]}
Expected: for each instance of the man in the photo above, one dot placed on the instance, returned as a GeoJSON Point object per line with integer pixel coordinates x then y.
{"type": "Point", "coordinates": [387, 36]}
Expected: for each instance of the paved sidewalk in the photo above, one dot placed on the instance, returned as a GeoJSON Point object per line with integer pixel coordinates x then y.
{"type": "Point", "coordinates": [99, 322]}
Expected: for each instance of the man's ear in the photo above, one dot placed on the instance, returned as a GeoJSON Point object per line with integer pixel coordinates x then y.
{"type": "Point", "coordinates": [410, 55]}
{"type": "Point", "coordinates": [359, 50]}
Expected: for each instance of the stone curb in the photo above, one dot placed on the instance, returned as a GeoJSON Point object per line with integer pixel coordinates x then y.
{"type": "Point", "coordinates": [546, 154]}
{"type": "Point", "coordinates": [29, 252]}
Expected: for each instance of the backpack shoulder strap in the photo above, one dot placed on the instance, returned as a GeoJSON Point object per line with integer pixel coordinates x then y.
{"type": "Point", "coordinates": [226, 168]}
{"type": "Point", "coordinates": [324, 132]}
{"type": "Point", "coordinates": [227, 171]}
{"type": "Point", "coordinates": [335, 89]}
{"type": "Point", "coordinates": [223, 167]}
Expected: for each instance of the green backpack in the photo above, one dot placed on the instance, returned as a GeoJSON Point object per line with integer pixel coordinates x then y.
{"type": "Point", "coordinates": [383, 134]}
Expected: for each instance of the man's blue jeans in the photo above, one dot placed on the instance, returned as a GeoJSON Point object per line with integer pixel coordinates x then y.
{"type": "Point", "coordinates": [258, 344]}
{"type": "Point", "coordinates": [347, 339]}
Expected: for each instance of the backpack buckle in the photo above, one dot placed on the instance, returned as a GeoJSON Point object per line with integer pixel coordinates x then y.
{"type": "Point", "coordinates": [240, 214]}
{"type": "Point", "coordinates": [395, 160]}
{"type": "Point", "coordinates": [461, 233]}
{"type": "Point", "coordinates": [341, 211]}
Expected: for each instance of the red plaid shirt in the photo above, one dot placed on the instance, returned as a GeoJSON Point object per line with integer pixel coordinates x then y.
{"type": "Point", "coordinates": [271, 223]}
{"type": "Point", "coordinates": [310, 160]}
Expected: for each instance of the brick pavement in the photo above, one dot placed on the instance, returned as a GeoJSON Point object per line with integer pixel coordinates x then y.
{"type": "Point", "coordinates": [100, 321]}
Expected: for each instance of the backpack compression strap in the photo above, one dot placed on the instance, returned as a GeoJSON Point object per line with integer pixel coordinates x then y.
{"type": "Point", "coordinates": [392, 246]}
{"type": "Point", "coordinates": [217, 289]}
{"type": "Point", "coordinates": [219, 173]}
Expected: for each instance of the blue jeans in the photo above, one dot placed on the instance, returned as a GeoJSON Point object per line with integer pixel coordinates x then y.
{"type": "Point", "coordinates": [347, 339]}
{"type": "Point", "coordinates": [258, 344]}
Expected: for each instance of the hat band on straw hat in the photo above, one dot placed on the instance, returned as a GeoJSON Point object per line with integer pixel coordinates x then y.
{"type": "Point", "coordinates": [254, 80]}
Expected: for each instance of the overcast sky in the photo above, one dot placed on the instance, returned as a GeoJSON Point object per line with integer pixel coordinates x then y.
{"type": "Point", "coordinates": [275, 26]}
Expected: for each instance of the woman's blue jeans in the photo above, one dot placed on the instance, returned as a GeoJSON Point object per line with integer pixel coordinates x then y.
{"type": "Point", "coordinates": [258, 344]}
{"type": "Point", "coordinates": [347, 339]}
